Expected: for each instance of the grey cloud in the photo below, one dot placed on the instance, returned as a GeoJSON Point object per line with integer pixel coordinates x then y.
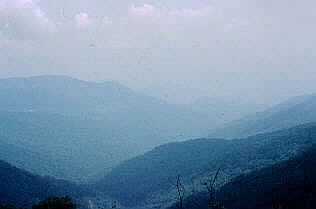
{"type": "Point", "coordinates": [255, 50]}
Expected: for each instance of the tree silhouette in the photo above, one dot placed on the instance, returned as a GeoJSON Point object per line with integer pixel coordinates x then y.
{"type": "Point", "coordinates": [55, 203]}
{"type": "Point", "coordinates": [180, 189]}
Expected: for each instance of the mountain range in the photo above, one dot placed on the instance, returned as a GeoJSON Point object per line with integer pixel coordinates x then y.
{"type": "Point", "coordinates": [294, 111]}
{"type": "Point", "coordinates": [289, 184]}
{"type": "Point", "coordinates": [84, 128]}
{"type": "Point", "coordinates": [146, 177]}
{"type": "Point", "coordinates": [129, 148]}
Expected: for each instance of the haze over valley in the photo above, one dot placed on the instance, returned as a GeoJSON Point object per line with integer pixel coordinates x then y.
{"type": "Point", "coordinates": [157, 104]}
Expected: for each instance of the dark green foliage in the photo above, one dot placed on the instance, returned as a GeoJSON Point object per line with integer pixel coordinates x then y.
{"type": "Point", "coordinates": [55, 203]}
{"type": "Point", "coordinates": [139, 178]}
{"type": "Point", "coordinates": [287, 185]}
{"type": "Point", "coordinates": [158, 169]}
{"type": "Point", "coordinates": [196, 201]}
{"type": "Point", "coordinates": [20, 188]}
{"type": "Point", "coordinates": [8, 207]}
{"type": "Point", "coordinates": [49, 203]}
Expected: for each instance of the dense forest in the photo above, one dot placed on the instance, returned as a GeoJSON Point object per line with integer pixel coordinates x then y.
{"type": "Point", "coordinates": [156, 171]}
{"type": "Point", "coordinates": [51, 202]}
{"type": "Point", "coordinates": [289, 184]}
{"type": "Point", "coordinates": [23, 189]}
{"type": "Point", "coordinates": [115, 163]}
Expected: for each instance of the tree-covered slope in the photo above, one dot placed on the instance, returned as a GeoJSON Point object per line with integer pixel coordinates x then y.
{"type": "Point", "coordinates": [81, 129]}
{"type": "Point", "coordinates": [155, 172]}
{"type": "Point", "coordinates": [21, 188]}
{"type": "Point", "coordinates": [67, 147]}
{"type": "Point", "coordinates": [290, 184]}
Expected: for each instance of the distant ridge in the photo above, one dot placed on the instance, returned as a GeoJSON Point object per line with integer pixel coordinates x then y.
{"type": "Point", "coordinates": [86, 127]}
{"type": "Point", "coordinates": [293, 112]}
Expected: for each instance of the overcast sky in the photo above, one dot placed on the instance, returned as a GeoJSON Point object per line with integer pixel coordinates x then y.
{"type": "Point", "coordinates": [179, 50]}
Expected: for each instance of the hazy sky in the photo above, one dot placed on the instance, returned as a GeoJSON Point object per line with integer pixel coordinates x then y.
{"type": "Point", "coordinates": [258, 50]}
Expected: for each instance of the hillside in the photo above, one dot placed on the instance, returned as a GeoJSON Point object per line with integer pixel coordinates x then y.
{"type": "Point", "coordinates": [290, 184]}
{"type": "Point", "coordinates": [293, 112]}
{"type": "Point", "coordinates": [81, 129]}
{"type": "Point", "coordinates": [110, 102]}
{"type": "Point", "coordinates": [72, 148]}
{"type": "Point", "coordinates": [21, 188]}
{"type": "Point", "coordinates": [155, 172]}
